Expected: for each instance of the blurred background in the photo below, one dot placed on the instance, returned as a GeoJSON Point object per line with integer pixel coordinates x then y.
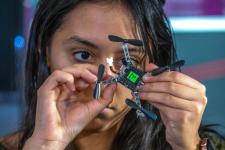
{"type": "Point", "coordinates": [199, 34]}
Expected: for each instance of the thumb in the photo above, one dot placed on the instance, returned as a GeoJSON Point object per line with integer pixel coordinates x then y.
{"type": "Point", "coordinates": [96, 106]}
{"type": "Point", "coordinates": [150, 67]}
{"type": "Point", "coordinates": [108, 93]}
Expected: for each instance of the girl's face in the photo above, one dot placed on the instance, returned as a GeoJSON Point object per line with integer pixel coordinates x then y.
{"type": "Point", "coordinates": [83, 38]}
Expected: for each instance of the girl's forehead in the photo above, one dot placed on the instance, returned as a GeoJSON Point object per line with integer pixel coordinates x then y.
{"type": "Point", "coordinates": [97, 20]}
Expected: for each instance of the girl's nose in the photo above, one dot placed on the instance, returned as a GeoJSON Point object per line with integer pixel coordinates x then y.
{"type": "Point", "coordinates": [109, 73]}
{"type": "Point", "coordinates": [108, 68]}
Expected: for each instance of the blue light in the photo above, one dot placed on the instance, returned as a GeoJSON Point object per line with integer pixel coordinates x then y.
{"type": "Point", "coordinates": [198, 24]}
{"type": "Point", "coordinates": [19, 42]}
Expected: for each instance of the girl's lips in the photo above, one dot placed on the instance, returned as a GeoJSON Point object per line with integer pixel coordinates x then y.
{"type": "Point", "coordinates": [107, 109]}
{"type": "Point", "coordinates": [110, 107]}
{"type": "Point", "coordinates": [107, 112]}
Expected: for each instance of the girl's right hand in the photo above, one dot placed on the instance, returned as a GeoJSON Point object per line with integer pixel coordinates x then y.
{"type": "Point", "coordinates": [59, 118]}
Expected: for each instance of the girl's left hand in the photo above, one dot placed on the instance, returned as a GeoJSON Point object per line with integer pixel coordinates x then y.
{"type": "Point", "coordinates": [181, 101]}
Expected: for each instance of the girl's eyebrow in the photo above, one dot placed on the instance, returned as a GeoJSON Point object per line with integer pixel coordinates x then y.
{"type": "Point", "coordinates": [80, 40]}
{"type": "Point", "coordinates": [77, 39]}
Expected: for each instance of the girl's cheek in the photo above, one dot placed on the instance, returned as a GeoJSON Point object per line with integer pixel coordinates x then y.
{"type": "Point", "coordinates": [123, 92]}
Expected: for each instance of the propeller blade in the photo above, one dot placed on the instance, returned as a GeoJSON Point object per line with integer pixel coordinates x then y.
{"type": "Point", "coordinates": [148, 114]}
{"type": "Point", "coordinates": [158, 71]}
{"type": "Point", "coordinates": [101, 70]}
{"type": "Point", "coordinates": [114, 38]}
{"type": "Point", "coordinates": [134, 42]}
{"type": "Point", "coordinates": [97, 91]}
{"type": "Point", "coordinates": [178, 63]}
{"type": "Point", "coordinates": [132, 104]}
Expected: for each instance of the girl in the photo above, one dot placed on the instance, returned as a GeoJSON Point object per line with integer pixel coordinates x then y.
{"type": "Point", "coordinates": [68, 40]}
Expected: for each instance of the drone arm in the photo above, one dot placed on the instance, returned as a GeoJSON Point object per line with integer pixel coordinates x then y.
{"type": "Point", "coordinates": [110, 81]}
{"type": "Point", "coordinates": [140, 111]}
{"type": "Point", "coordinates": [137, 98]}
{"type": "Point", "coordinates": [126, 54]}
{"type": "Point", "coordinates": [97, 89]}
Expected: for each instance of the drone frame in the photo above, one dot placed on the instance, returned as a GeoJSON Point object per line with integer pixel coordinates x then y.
{"type": "Point", "coordinates": [121, 77]}
{"type": "Point", "coordinates": [127, 69]}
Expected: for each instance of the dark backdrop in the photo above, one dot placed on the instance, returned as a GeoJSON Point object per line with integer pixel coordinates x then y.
{"type": "Point", "coordinates": [10, 26]}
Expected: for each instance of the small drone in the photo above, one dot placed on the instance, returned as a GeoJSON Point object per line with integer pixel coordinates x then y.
{"type": "Point", "coordinates": [130, 76]}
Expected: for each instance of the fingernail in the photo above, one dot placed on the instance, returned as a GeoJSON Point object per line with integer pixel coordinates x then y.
{"type": "Point", "coordinates": [114, 87]}
{"type": "Point", "coordinates": [95, 78]}
{"type": "Point", "coordinates": [147, 77]}
{"type": "Point", "coordinates": [73, 88]}
{"type": "Point", "coordinates": [132, 93]}
{"type": "Point", "coordinates": [140, 87]}
{"type": "Point", "coordinates": [140, 94]}
{"type": "Point", "coordinates": [85, 85]}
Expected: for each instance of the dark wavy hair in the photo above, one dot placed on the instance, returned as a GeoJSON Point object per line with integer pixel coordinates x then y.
{"type": "Point", "coordinates": [152, 26]}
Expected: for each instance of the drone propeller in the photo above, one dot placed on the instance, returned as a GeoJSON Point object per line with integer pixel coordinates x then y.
{"type": "Point", "coordinates": [160, 70]}
{"type": "Point", "coordinates": [177, 64]}
{"type": "Point", "coordinates": [134, 42]}
{"type": "Point", "coordinates": [101, 70]}
{"type": "Point", "coordinates": [148, 114]}
{"type": "Point", "coordinates": [97, 89]}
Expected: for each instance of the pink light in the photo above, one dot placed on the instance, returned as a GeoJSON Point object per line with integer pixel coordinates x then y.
{"type": "Point", "coordinates": [206, 71]}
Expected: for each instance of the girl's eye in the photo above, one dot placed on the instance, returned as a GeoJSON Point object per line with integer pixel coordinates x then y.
{"type": "Point", "coordinates": [82, 56]}
{"type": "Point", "coordinates": [135, 62]}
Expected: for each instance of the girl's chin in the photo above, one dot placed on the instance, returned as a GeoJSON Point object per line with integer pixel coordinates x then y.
{"type": "Point", "coordinates": [99, 125]}
{"type": "Point", "coordinates": [107, 119]}
{"type": "Point", "coordinates": [106, 114]}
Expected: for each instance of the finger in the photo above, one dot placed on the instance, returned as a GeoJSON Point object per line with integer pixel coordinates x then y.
{"type": "Point", "coordinates": [64, 93]}
{"type": "Point", "coordinates": [150, 67]}
{"type": "Point", "coordinates": [177, 90]}
{"type": "Point", "coordinates": [108, 92]}
{"type": "Point", "coordinates": [167, 100]}
{"type": "Point", "coordinates": [57, 78]}
{"type": "Point", "coordinates": [162, 115]}
{"type": "Point", "coordinates": [177, 77]}
{"type": "Point", "coordinates": [81, 85]}
{"type": "Point", "coordinates": [88, 111]}
{"type": "Point", "coordinates": [81, 73]}
{"type": "Point", "coordinates": [172, 115]}
{"type": "Point", "coordinates": [96, 106]}
{"type": "Point", "coordinates": [92, 68]}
